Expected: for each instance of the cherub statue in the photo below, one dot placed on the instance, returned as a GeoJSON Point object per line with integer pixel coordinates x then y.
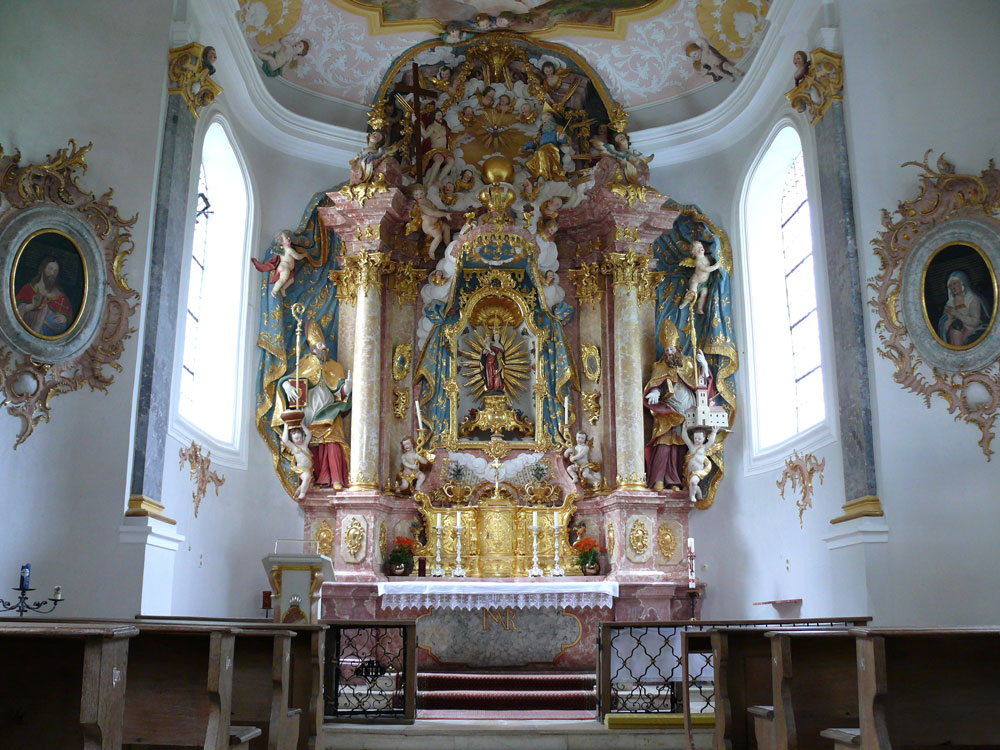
{"type": "Point", "coordinates": [581, 468]}
{"type": "Point", "coordinates": [548, 220]}
{"type": "Point", "coordinates": [296, 440]}
{"type": "Point", "coordinates": [697, 465]}
{"type": "Point", "coordinates": [281, 266]}
{"type": "Point", "coordinates": [707, 60]}
{"type": "Point", "coordinates": [703, 267]}
{"type": "Point", "coordinates": [410, 477]}
{"type": "Point", "coordinates": [424, 215]}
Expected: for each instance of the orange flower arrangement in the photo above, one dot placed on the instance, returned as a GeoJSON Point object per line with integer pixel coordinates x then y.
{"type": "Point", "coordinates": [587, 551]}
{"type": "Point", "coordinates": [402, 551]}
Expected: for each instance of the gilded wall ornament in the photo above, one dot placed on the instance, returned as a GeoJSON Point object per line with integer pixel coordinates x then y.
{"type": "Point", "coordinates": [610, 533]}
{"type": "Point", "coordinates": [359, 272]}
{"type": "Point", "coordinates": [799, 470]}
{"type": "Point", "coordinates": [70, 341]}
{"type": "Point", "coordinates": [201, 473]}
{"type": "Point", "coordinates": [190, 75]}
{"type": "Point", "coordinates": [590, 355]}
{"type": "Point", "coordinates": [401, 357]}
{"type": "Point", "coordinates": [353, 538]}
{"type": "Point", "coordinates": [589, 286]}
{"type": "Point", "coordinates": [630, 192]}
{"type": "Point", "coordinates": [363, 191]}
{"type": "Point", "coordinates": [591, 405]}
{"type": "Point", "coordinates": [400, 402]}
{"type": "Point", "coordinates": [821, 86]}
{"type": "Point", "coordinates": [666, 540]}
{"type": "Point", "coordinates": [638, 537]}
{"type": "Point", "coordinates": [952, 210]}
{"type": "Point", "coordinates": [382, 542]}
{"type": "Point", "coordinates": [325, 536]}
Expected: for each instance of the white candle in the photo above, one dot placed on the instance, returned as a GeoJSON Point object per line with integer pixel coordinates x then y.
{"type": "Point", "coordinates": [690, 545]}
{"type": "Point", "coordinates": [566, 409]}
{"type": "Point", "coordinates": [558, 517]}
{"type": "Point", "coordinates": [459, 522]}
{"type": "Point", "coordinates": [439, 519]}
{"type": "Point", "coordinates": [534, 518]}
{"type": "Point", "coordinates": [57, 593]}
{"type": "Point", "coordinates": [420, 419]}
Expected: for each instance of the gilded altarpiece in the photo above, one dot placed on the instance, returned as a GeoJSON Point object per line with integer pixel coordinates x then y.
{"type": "Point", "coordinates": [497, 238]}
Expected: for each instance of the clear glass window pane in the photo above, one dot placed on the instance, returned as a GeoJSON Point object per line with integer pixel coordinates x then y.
{"type": "Point", "coordinates": [809, 395]}
{"type": "Point", "coordinates": [800, 285]}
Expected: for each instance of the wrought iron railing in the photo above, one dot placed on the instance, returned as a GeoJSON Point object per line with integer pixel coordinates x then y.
{"type": "Point", "coordinates": [646, 667]}
{"type": "Point", "coordinates": [371, 671]}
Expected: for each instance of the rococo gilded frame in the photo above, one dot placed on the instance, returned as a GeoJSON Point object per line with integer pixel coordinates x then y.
{"type": "Point", "coordinates": [36, 198]}
{"type": "Point", "coordinates": [950, 209]}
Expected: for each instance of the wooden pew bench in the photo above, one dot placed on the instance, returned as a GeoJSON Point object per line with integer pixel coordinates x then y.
{"type": "Point", "coordinates": [180, 679]}
{"type": "Point", "coordinates": [279, 688]}
{"type": "Point", "coordinates": [63, 684]}
{"type": "Point", "coordinates": [926, 688]}
{"type": "Point", "coordinates": [742, 679]}
{"type": "Point", "coordinates": [815, 685]}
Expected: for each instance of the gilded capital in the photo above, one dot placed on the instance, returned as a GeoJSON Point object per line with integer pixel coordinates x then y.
{"type": "Point", "coordinates": [588, 282]}
{"type": "Point", "coordinates": [627, 271]}
{"type": "Point", "coordinates": [190, 69]}
{"type": "Point", "coordinates": [359, 272]}
{"type": "Point", "coordinates": [820, 86]}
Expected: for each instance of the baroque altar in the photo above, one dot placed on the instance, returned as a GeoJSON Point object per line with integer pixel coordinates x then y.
{"type": "Point", "coordinates": [497, 340]}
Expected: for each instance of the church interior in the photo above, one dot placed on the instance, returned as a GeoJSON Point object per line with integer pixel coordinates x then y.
{"type": "Point", "coordinates": [530, 367]}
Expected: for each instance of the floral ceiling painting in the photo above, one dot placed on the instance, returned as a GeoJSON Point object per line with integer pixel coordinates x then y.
{"type": "Point", "coordinates": [646, 52]}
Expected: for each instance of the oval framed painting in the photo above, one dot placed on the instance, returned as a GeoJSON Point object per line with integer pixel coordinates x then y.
{"type": "Point", "coordinates": [49, 283]}
{"type": "Point", "coordinates": [960, 295]}
{"type": "Point", "coordinates": [949, 296]}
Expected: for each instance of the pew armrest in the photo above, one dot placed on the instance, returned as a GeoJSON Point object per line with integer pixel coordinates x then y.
{"type": "Point", "coordinates": [761, 712]}
{"type": "Point", "coordinates": [242, 735]}
{"type": "Point", "coordinates": [842, 738]}
{"type": "Point", "coordinates": [293, 712]}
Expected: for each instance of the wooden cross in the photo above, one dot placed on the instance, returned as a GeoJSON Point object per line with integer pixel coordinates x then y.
{"type": "Point", "coordinates": [417, 91]}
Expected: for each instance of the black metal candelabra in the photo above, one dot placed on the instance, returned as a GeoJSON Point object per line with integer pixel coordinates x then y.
{"type": "Point", "coordinates": [21, 604]}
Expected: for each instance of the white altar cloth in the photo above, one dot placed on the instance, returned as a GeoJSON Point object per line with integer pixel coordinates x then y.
{"type": "Point", "coordinates": [452, 594]}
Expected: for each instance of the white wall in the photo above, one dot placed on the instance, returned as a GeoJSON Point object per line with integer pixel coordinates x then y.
{"type": "Point", "coordinates": [94, 72]}
{"type": "Point", "coordinates": [917, 76]}
{"type": "Point", "coordinates": [921, 75]}
{"type": "Point", "coordinates": [217, 569]}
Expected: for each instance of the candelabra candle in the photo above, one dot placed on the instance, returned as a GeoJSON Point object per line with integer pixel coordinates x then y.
{"type": "Point", "coordinates": [437, 571]}
{"type": "Point", "coordinates": [535, 571]}
{"type": "Point", "coordinates": [25, 581]}
{"type": "Point", "coordinates": [557, 569]}
{"type": "Point", "coordinates": [458, 571]}
{"type": "Point", "coordinates": [420, 419]}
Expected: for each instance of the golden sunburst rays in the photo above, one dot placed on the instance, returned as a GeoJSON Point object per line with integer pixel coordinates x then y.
{"type": "Point", "coordinates": [494, 358]}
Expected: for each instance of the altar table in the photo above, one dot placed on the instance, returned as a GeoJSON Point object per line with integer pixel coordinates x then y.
{"type": "Point", "coordinates": [531, 593]}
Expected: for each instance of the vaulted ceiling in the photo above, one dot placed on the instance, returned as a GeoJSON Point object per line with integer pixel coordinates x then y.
{"type": "Point", "coordinates": [692, 52]}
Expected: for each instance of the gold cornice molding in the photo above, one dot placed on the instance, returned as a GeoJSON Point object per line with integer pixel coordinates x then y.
{"type": "Point", "coordinates": [868, 505]}
{"type": "Point", "coordinates": [140, 505]}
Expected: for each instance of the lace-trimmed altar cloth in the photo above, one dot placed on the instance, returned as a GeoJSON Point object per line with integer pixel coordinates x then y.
{"type": "Point", "coordinates": [451, 594]}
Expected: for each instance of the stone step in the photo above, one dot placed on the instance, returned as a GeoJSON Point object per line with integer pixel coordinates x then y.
{"type": "Point", "coordinates": [506, 700]}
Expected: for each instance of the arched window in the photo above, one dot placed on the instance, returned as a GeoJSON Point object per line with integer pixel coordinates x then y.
{"type": "Point", "coordinates": [787, 374]}
{"type": "Point", "coordinates": [209, 394]}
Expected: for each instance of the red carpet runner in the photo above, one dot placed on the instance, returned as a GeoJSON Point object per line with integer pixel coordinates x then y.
{"type": "Point", "coordinates": [499, 691]}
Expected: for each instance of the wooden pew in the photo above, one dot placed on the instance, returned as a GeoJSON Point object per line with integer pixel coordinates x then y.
{"type": "Point", "coordinates": [692, 642]}
{"type": "Point", "coordinates": [63, 685]}
{"type": "Point", "coordinates": [922, 688]}
{"type": "Point", "coordinates": [814, 684]}
{"type": "Point", "coordinates": [302, 701]}
{"type": "Point", "coordinates": [742, 679]}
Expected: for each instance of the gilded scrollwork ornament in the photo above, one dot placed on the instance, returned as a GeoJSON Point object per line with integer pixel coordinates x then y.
{"type": "Point", "coordinates": [952, 209]}
{"type": "Point", "coordinates": [666, 540]}
{"type": "Point", "coordinates": [638, 537]}
{"type": "Point", "coordinates": [80, 330]}
{"type": "Point", "coordinates": [821, 86]}
{"type": "Point", "coordinates": [589, 286]}
{"type": "Point", "coordinates": [590, 355]}
{"type": "Point", "coordinates": [324, 538]}
{"type": "Point", "coordinates": [400, 402]}
{"type": "Point", "coordinates": [190, 70]}
{"type": "Point", "coordinates": [201, 473]}
{"type": "Point", "coordinates": [591, 405]}
{"type": "Point", "coordinates": [799, 471]}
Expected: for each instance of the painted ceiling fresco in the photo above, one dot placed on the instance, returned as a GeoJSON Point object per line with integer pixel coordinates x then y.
{"type": "Point", "coordinates": [646, 52]}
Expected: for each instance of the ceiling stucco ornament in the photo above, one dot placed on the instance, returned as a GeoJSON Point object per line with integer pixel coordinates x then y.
{"type": "Point", "coordinates": [646, 52]}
